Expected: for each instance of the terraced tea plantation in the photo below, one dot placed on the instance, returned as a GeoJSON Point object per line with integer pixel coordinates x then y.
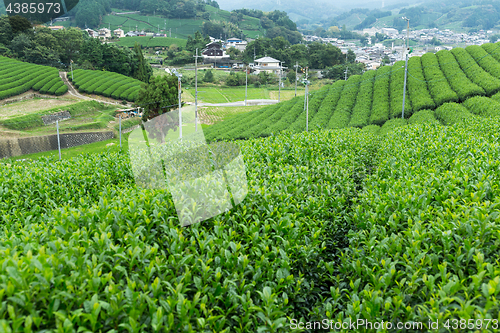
{"type": "Point", "coordinates": [17, 77]}
{"type": "Point", "coordinates": [108, 84]}
{"type": "Point", "coordinates": [338, 224]}
{"type": "Point", "coordinates": [377, 96]}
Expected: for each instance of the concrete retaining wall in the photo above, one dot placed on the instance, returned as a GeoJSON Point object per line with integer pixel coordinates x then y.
{"type": "Point", "coordinates": [52, 118]}
{"type": "Point", "coordinates": [37, 144]}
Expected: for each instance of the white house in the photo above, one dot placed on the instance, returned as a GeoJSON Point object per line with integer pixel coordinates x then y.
{"type": "Point", "coordinates": [92, 33]}
{"type": "Point", "coordinates": [119, 33]}
{"type": "Point", "coordinates": [389, 31]}
{"type": "Point", "coordinates": [104, 33]}
{"type": "Point", "coordinates": [267, 64]}
{"type": "Point", "coordinates": [237, 43]}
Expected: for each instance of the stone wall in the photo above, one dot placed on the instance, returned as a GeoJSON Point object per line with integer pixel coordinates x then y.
{"type": "Point", "coordinates": [37, 144]}
{"type": "Point", "coordinates": [52, 118]}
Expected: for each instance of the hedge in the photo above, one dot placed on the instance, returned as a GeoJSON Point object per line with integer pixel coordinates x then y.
{"type": "Point", "coordinates": [483, 106]}
{"type": "Point", "coordinates": [342, 114]}
{"type": "Point", "coordinates": [62, 90]}
{"type": "Point", "coordinates": [423, 116]}
{"type": "Point", "coordinates": [437, 83]}
{"type": "Point", "coordinates": [391, 124]}
{"type": "Point", "coordinates": [380, 106]}
{"type": "Point", "coordinates": [484, 59]}
{"type": "Point", "coordinates": [451, 113]}
{"type": "Point", "coordinates": [493, 50]}
{"type": "Point", "coordinates": [417, 87]}
{"type": "Point", "coordinates": [372, 129]}
{"type": "Point", "coordinates": [362, 109]}
{"type": "Point", "coordinates": [396, 87]}
{"type": "Point", "coordinates": [315, 100]}
{"type": "Point", "coordinates": [45, 89]}
{"type": "Point", "coordinates": [475, 73]}
{"type": "Point", "coordinates": [325, 111]}
{"type": "Point", "coordinates": [459, 82]}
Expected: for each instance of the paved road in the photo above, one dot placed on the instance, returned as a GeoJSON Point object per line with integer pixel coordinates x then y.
{"type": "Point", "coordinates": [240, 103]}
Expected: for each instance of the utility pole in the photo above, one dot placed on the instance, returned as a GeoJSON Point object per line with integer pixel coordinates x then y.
{"type": "Point", "coordinates": [179, 77]}
{"type": "Point", "coordinates": [196, 90]}
{"type": "Point", "coordinates": [246, 83]}
{"type": "Point", "coordinates": [306, 102]}
{"type": "Point", "coordinates": [71, 64]}
{"type": "Point", "coordinates": [279, 85]}
{"type": "Point", "coordinates": [346, 66]}
{"type": "Point", "coordinates": [296, 77]}
{"type": "Point", "coordinates": [406, 65]}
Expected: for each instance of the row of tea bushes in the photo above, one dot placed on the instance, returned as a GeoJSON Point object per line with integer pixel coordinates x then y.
{"type": "Point", "coordinates": [424, 242]}
{"type": "Point", "coordinates": [17, 77]}
{"type": "Point", "coordinates": [108, 84]}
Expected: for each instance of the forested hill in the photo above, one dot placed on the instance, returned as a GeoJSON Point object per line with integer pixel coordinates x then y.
{"type": "Point", "coordinates": [455, 15]}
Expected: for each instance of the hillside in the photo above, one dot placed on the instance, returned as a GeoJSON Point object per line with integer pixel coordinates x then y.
{"type": "Point", "coordinates": [436, 83]}
{"type": "Point", "coordinates": [457, 16]}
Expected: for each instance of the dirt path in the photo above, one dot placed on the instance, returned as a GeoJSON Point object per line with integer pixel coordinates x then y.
{"type": "Point", "coordinates": [74, 92]}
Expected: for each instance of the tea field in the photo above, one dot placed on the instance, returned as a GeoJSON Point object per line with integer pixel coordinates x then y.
{"type": "Point", "coordinates": [338, 224]}
{"type": "Point", "coordinates": [108, 84]}
{"type": "Point", "coordinates": [377, 96]}
{"type": "Point", "coordinates": [17, 77]}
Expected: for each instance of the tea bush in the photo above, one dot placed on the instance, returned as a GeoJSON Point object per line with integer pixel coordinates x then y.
{"type": "Point", "coordinates": [104, 83]}
{"type": "Point", "coordinates": [437, 83]}
{"type": "Point", "coordinates": [380, 106]}
{"type": "Point", "coordinates": [458, 81]}
{"type": "Point", "coordinates": [342, 114]}
{"type": "Point", "coordinates": [396, 91]}
{"type": "Point", "coordinates": [482, 106]}
{"type": "Point", "coordinates": [362, 109]}
{"type": "Point", "coordinates": [485, 60]}
{"type": "Point", "coordinates": [423, 116]}
{"type": "Point", "coordinates": [475, 73]}
{"type": "Point", "coordinates": [18, 77]}
{"type": "Point", "coordinates": [417, 87]}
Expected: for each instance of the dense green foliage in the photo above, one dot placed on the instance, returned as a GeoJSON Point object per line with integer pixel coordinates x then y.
{"type": "Point", "coordinates": [108, 84]}
{"type": "Point", "coordinates": [380, 106]}
{"type": "Point", "coordinates": [423, 116]}
{"type": "Point", "coordinates": [482, 106]}
{"type": "Point", "coordinates": [342, 114]}
{"type": "Point", "coordinates": [417, 87]}
{"type": "Point", "coordinates": [437, 83]}
{"type": "Point", "coordinates": [342, 225]}
{"type": "Point", "coordinates": [397, 76]}
{"type": "Point", "coordinates": [17, 77]}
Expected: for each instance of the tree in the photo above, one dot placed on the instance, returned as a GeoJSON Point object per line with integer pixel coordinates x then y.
{"type": "Point", "coordinates": [363, 40]}
{"type": "Point", "coordinates": [157, 98]}
{"type": "Point", "coordinates": [494, 38]}
{"type": "Point", "coordinates": [143, 70]}
{"type": "Point", "coordinates": [351, 56]}
{"type": "Point", "coordinates": [209, 76]}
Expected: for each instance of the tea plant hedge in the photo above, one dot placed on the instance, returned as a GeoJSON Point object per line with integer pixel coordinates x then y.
{"type": "Point", "coordinates": [342, 114]}
{"type": "Point", "coordinates": [475, 73]}
{"type": "Point", "coordinates": [451, 113]}
{"type": "Point", "coordinates": [315, 101]}
{"type": "Point", "coordinates": [483, 106]}
{"type": "Point", "coordinates": [362, 109]}
{"type": "Point", "coordinates": [18, 77]}
{"type": "Point", "coordinates": [437, 83]}
{"type": "Point", "coordinates": [380, 106]}
{"type": "Point", "coordinates": [329, 103]}
{"type": "Point", "coordinates": [485, 60]}
{"type": "Point", "coordinates": [423, 116]}
{"type": "Point", "coordinates": [397, 79]}
{"type": "Point", "coordinates": [417, 87]}
{"type": "Point", "coordinates": [493, 50]}
{"type": "Point", "coordinates": [341, 225]}
{"type": "Point", "coordinates": [108, 84]}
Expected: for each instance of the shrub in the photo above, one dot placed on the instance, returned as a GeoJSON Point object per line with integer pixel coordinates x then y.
{"type": "Point", "coordinates": [423, 116]}
{"type": "Point", "coordinates": [464, 87]}
{"type": "Point", "coordinates": [380, 106]}
{"type": "Point", "coordinates": [437, 83]}
{"type": "Point", "coordinates": [475, 73]}
{"type": "Point", "coordinates": [391, 124]}
{"type": "Point", "coordinates": [362, 109]}
{"type": "Point", "coordinates": [483, 106]}
{"type": "Point", "coordinates": [451, 113]}
{"type": "Point", "coordinates": [484, 60]}
{"type": "Point", "coordinates": [342, 114]}
{"type": "Point", "coordinates": [417, 87]}
{"type": "Point", "coordinates": [327, 107]}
